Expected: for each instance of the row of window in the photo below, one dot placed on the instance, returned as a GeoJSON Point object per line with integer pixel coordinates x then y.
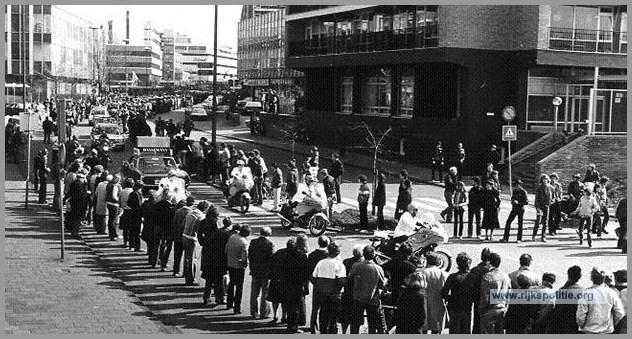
{"type": "Point", "coordinates": [376, 93]}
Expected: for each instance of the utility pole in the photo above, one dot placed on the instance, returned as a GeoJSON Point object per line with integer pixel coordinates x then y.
{"type": "Point", "coordinates": [214, 116]}
{"type": "Point", "coordinates": [61, 108]}
{"type": "Point", "coordinates": [28, 131]}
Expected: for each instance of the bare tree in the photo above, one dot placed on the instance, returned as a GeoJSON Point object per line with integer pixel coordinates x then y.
{"type": "Point", "coordinates": [293, 131]}
{"type": "Point", "coordinates": [374, 140]}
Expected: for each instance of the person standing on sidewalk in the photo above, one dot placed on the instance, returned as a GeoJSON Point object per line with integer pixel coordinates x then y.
{"type": "Point", "coordinates": [519, 200]}
{"type": "Point", "coordinates": [113, 191]}
{"type": "Point", "coordinates": [490, 201]}
{"type": "Point", "coordinates": [149, 232]}
{"type": "Point", "coordinates": [438, 161]}
{"type": "Point", "coordinates": [586, 209]}
{"type": "Point", "coordinates": [260, 254]}
{"type": "Point", "coordinates": [43, 170]}
{"type": "Point", "coordinates": [296, 276]}
{"type": "Point", "coordinates": [276, 184]}
{"type": "Point", "coordinates": [379, 199]}
{"type": "Point", "coordinates": [78, 196]}
{"type": "Point", "coordinates": [313, 259]}
{"type": "Point", "coordinates": [100, 204]}
{"type": "Point", "coordinates": [363, 202]}
{"type": "Point", "coordinates": [329, 184]}
{"type": "Point", "coordinates": [337, 171]}
{"type": "Point", "coordinates": [128, 188]}
{"type": "Point", "coordinates": [555, 212]}
{"type": "Point", "coordinates": [217, 260]}
{"type": "Point", "coordinates": [603, 182]}
{"type": "Point", "coordinates": [48, 126]}
{"type": "Point", "coordinates": [328, 277]}
{"type": "Point", "coordinates": [206, 231]}
{"type": "Point", "coordinates": [449, 183]}
{"type": "Point", "coordinates": [190, 242]}
{"type": "Point", "coordinates": [368, 280]}
{"type": "Point", "coordinates": [473, 281]}
{"type": "Point", "coordinates": [179, 219]}
{"type": "Point", "coordinates": [455, 293]}
{"type": "Point", "coordinates": [237, 262]}
{"type": "Point", "coordinates": [543, 200]}
{"type": "Point", "coordinates": [459, 201]}
{"type": "Point", "coordinates": [405, 194]}
{"type": "Point", "coordinates": [460, 160]}
{"type": "Point", "coordinates": [256, 168]}
{"type": "Point", "coordinates": [493, 314]}
{"type": "Point", "coordinates": [135, 203]}
{"type": "Point", "coordinates": [291, 181]}
{"type": "Point", "coordinates": [164, 217]}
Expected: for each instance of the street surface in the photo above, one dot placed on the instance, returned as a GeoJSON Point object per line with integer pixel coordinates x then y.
{"type": "Point", "coordinates": [180, 306]}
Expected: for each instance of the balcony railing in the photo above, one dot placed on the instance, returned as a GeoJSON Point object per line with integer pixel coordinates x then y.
{"type": "Point", "coordinates": [588, 40]}
{"type": "Point", "coordinates": [410, 38]}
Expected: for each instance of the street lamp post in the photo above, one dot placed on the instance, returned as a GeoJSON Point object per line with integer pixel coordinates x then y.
{"type": "Point", "coordinates": [94, 52]}
{"type": "Point", "coordinates": [126, 41]}
{"type": "Point", "coordinates": [148, 65]}
{"type": "Point", "coordinates": [557, 101]}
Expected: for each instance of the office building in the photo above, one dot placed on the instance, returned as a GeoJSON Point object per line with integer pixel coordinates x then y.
{"type": "Point", "coordinates": [58, 51]}
{"type": "Point", "coordinates": [445, 72]}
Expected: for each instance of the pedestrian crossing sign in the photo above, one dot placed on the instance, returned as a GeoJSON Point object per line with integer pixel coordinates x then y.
{"type": "Point", "coordinates": [510, 133]}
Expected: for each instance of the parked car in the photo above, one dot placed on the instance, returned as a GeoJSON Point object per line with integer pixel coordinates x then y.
{"type": "Point", "coordinates": [198, 113]}
{"type": "Point", "coordinates": [97, 111]}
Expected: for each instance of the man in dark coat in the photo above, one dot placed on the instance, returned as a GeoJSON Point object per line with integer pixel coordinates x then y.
{"type": "Point", "coordinates": [163, 223]}
{"type": "Point", "coordinates": [207, 229]}
{"type": "Point", "coordinates": [176, 235]}
{"type": "Point", "coordinates": [48, 126]}
{"type": "Point", "coordinates": [405, 194]}
{"type": "Point", "coordinates": [519, 200]}
{"type": "Point", "coordinates": [42, 171]}
{"type": "Point", "coordinates": [260, 257]}
{"type": "Point", "coordinates": [135, 202]}
{"type": "Point", "coordinates": [217, 264]}
{"type": "Point", "coordinates": [474, 280]}
{"type": "Point", "coordinates": [337, 171]}
{"type": "Point", "coordinates": [329, 184]}
{"type": "Point", "coordinates": [563, 315]}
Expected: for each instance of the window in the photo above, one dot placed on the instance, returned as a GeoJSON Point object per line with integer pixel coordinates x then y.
{"type": "Point", "coordinates": [376, 93]}
{"type": "Point", "coordinates": [346, 95]}
{"type": "Point", "coordinates": [46, 9]}
{"type": "Point", "coordinates": [407, 94]}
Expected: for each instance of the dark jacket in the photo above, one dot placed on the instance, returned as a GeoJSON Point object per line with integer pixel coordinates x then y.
{"type": "Point", "coordinates": [474, 279]}
{"type": "Point", "coordinates": [163, 218]}
{"type": "Point", "coordinates": [217, 245]}
{"type": "Point", "coordinates": [296, 274]}
{"type": "Point", "coordinates": [291, 180]}
{"type": "Point", "coordinates": [449, 182]}
{"type": "Point", "coordinates": [456, 292]}
{"type": "Point", "coordinates": [398, 269]}
{"type": "Point", "coordinates": [543, 196]}
{"type": "Point", "coordinates": [135, 202]}
{"type": "Point", "coordinates": [405, 195]}
{"type": "Point", "coordinates": [206, 231]}
{"type": "Point", "coordinates": [379, 198]}
{"type": "Point", "coordinates": [329, 184]}
{"type": "Point", "coordinates": [410, 315]}
{"type": "Point", "coordinates": [314, 257]}
{"type": "Point", "coordinates": [563, 315]}
{"type": "Point", "coordinates": [591, 176]}
{"type": "Point", "coordinates": [260, 257]}
{"type": "Point", "coordinates": [520, 195]}
{"type": "Point", "coordinates": [337, 168]}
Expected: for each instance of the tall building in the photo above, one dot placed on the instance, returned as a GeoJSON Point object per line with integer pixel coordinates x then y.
{"type": "Point", "coordinates": [435, 72]}
{"type": "Point", "coordinates": [136, 65]}
{"type": "Point", "coordinates": [261, 50]}
{"type": "Point", "coordinates": [197, 60]}
{"type": "Point", "coordinates": [58, 52]}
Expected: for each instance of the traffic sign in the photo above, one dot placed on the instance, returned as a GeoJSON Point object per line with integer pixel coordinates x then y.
{"type": "Point", "coordinates": [508, 113]}
{"type": "Point", "coordinates": [510, 133]}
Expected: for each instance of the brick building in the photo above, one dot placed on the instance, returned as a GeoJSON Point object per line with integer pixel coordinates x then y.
{"type": "Point", "coordinates": [446, 72]}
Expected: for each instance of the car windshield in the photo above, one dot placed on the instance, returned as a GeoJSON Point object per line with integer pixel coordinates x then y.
{"type": "Point", "coordinates": [107, 130]}
{"type": "Point", "coordinates": [155, 164]}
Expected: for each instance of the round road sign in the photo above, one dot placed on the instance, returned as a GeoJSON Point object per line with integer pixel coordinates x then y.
{"type": "Point", "coordinates": [509, 113]}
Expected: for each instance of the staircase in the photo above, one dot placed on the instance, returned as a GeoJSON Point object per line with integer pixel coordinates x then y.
{"type": "Point", "coordinates": [525, 161]}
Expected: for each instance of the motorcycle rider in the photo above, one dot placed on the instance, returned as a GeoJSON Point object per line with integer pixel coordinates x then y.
{"type": "Point", "coordinates": [241, 179]}
{"type": "Point", "coordinates": [407, 225]}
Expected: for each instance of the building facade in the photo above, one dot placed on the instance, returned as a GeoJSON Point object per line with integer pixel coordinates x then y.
{"type": "Point", "coordinates": [197, 60]}
{"type": "Point", "coordinates": [58, 51]}
{"type": "Point", "coordinates": [261, 50]}
{"type": "Point", "coordinates": [135, 65]}
{"type": "Point", "coordinates": [437, 72]}
{"type": "Point", "coordinates": [172, 71]}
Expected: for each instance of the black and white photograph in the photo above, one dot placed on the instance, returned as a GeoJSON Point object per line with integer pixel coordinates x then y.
{"type": "Point", "coordinates": [315, 169]}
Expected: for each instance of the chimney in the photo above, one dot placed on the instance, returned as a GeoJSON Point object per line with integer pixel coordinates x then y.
{"type": "Point", "coordinates": [110, 32]}
{"type": "Point", "coordinates": [127, 27]}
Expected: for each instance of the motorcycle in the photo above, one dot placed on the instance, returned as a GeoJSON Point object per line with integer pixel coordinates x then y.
{"type": "Point", "coordinates": [314, 220]}
{"type": "Point", "coordinates": [241, 198]}
{"type": "Point", "coordinates": [423, 241]}
{"type": "Point", "coordinates": [255, 127]}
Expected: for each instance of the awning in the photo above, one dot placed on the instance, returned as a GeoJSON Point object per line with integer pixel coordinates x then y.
{"type": "Point", "coordinates": [14, 85]}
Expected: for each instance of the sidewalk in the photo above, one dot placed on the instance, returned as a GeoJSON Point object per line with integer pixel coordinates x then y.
{"type": "Point", "coordinates": [44, 294]}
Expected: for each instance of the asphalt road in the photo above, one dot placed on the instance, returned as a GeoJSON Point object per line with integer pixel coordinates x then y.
{"type": "Point", "coordinates": [559, 253]}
